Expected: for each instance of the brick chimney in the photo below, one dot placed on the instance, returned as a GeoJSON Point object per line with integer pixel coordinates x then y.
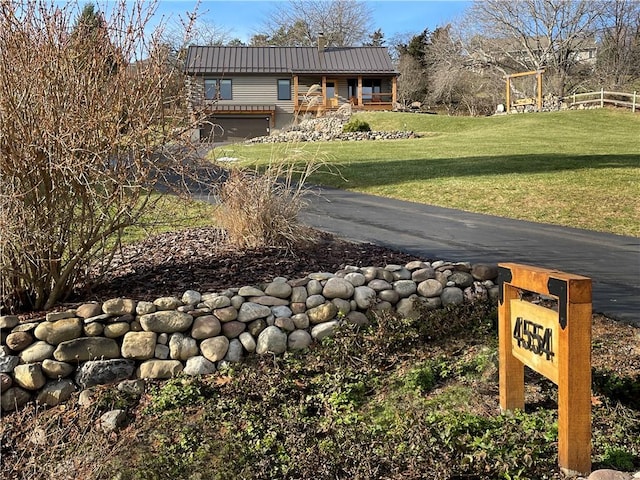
{"type": "Point", "coordinates": [322, 42]}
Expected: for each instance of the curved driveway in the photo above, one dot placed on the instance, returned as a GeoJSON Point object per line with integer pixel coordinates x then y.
{"type": "Point", "coordinates": [611, 261]}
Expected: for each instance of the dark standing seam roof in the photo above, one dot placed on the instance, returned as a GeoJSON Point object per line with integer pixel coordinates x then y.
{"type": "Point", "coordinates": [289, 60]}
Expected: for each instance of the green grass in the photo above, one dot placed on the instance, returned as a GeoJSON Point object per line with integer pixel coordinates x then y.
{"type": "Point", "coordinates": [577, 168]}
{"type": "Point", "coordinates": [169, 213]}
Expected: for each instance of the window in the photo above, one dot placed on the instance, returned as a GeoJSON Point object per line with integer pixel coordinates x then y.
{"type": "Point", "coordinates": [369, 87]}
{"type": "Point", "coordinates": [284, 89]}
{"type": "Point", "coordinates": [217, 89]}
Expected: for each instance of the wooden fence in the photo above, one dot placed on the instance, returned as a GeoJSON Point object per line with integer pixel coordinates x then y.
{"type": "Point", "coordinates": [619, 99]}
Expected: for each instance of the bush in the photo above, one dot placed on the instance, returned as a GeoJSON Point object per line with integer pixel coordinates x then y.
{"type": "Point", "coordinates": [80, 136]}
{"type": "Point", "coordinates": [356, 125]}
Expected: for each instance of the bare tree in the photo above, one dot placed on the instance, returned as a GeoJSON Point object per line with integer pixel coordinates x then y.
{"type": "Point", "coordinates": [298, 23]}
{"type": "Point", "coordinates": [532, 34]}
{"type": "Point", "coordinates": [618, 63]}
{"type": "Point", "coordinates": [82, 127]}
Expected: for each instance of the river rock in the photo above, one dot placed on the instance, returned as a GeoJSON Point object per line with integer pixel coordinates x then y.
{"type": "Point", "coordinates": [29, 376]}
{"type": "Point", "coordinates": [144, 308]}
{"type": "Point", "coordinates": [226, 314]}
{"type": "Point", "coordinates": [94, 329]}
{"type": "Point", "coordinates": [393, 296]}
{"type": "Point", "coordinates": [36, 352]}
{"type": "Point", "coordinates": [250, 311]}
{"type": "Point", "coordinates": [423, 274]}
{"type": "Point", "coordinates": [54, 369]}
{"type": "Point", "coordinates": [14, 399]}
{"type": "Point", "coordinates": [249, 291]}
{"type": "Point", "coordinates": [55, 316]}
{"type": "Point", "coordinates": [452, 296]}
{"type": "Point", "coordinates": [191, 297]}
{"type": "Point", "coordinates": [119, 306]}
{"type": "Point", "coordinates": [364, 296]}
{"type": "Point", "coordinates": [166, 321]}
{"type": "Point", "coordinates": [404, 288]}
{"type": "Point", "coordinates": [326, 329]}
{"type": "Point", "coordinates": [337, 287]}
{"type": "Point", "coordinates": [116, 330]}
{"type": "Point", "coordinates": [139, 345]}
{"type": "Point", "coordinates": [214, 349]}
{"type": "Point", "coordinates": [248, 341]}
{"type": "Point", "coordinates": [271, 340]}
{"type": "Point", "coordinates": [233, 329]}
{"type": "Point", "coordinates": [206, 326]}
{"type": "Point", "coordinates": [18, 341]}
{"type": "Point", "coordinates": [167, 303]}
{"type": "Point", "coordinates": [88, 310]}
{"type": "Point", "coordinates": [103, 372]}
{"type": "Point", "coordinates": [299, 294]}
{"type": "Point", "coordinates": [159, 369]}
{"type": "Point", "coordinates": [322, 313]}
{"type": "Point", "coordinates": [430, 288]}
{"type": "Point", "coordinates": [199, 365]}
{"type": "Point", "coordinates": [461, 279]}
{"type": "Point", "coordinates": [86, 348]}
{"type": "Point", "coordinates": [55, 393]}
{"type": "Point", "coordinates": [278, 289]}
{"type": "Point", "coordinates": [182, 347]}
{"type": "Point", "coordinates": [235, 351]}
{"type": "Point", "coordinates": [482, 272]}
{"type": "Point", "coordinates": [299, 340]}
{"type": "Point", "coordinates": [355, 278]}
{"type": "Point", "coordinates": [59, 331]}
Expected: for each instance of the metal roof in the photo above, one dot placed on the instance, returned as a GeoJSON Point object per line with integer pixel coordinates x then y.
{"type": "Point", "coordinates": [291, 60]}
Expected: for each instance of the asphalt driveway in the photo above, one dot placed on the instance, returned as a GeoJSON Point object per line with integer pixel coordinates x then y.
{"type": "Point", "coordinates": [611, 261]}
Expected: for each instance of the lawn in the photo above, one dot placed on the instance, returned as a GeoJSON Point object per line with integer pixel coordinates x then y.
{"type": "Point", "coordinates": [575, 168]}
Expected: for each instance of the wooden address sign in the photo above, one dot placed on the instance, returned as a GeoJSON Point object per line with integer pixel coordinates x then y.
{"type": "Point", "coordinates": [556, 344]}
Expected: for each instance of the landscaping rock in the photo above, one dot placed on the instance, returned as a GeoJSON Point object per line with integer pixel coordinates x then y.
{"type": "Point", "coordinates": [103, 372]}
{"type": "Point", "coordinates": [86, 348]}
{"type": "Point", "coordinates": [271, 340]}
{"type": "Point", "coordinates": [166, 321]}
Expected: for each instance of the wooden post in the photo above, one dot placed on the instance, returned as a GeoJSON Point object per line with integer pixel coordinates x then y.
{"type": "Point", "coordinates": [394, 91]}
{"type": "Point", "coordinates": [633, 104]}
{"type": "Point", "coordinates": [556, 345]}
{"type": "Point", "coordinates": [539, 81]}
{"type": "Point", "coordinates": [602, 97]}
{"type": "Point", "coordinates": [360, 90]}
{"type": "Point", "coordinates": [508, 93]}
{"type": "Point", "coordinates": [324, 90]}
{"type": "Point", "coordinates": [296, 93]}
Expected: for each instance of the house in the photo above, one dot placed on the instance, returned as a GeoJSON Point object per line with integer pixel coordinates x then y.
{"type": "Point", "coordinates": [243, 92]}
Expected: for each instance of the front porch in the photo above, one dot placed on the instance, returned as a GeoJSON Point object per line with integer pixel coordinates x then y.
{"type": "Point", "coordinates": [324, 94]}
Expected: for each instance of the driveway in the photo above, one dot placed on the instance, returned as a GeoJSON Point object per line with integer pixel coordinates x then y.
{"type": "Point", "coordinates": [611, 261]}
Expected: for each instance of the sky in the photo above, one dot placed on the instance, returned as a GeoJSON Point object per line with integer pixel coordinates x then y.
{"type": "Point", "coordinates": [243, 18]}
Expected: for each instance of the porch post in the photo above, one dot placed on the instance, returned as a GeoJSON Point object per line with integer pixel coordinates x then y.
{"type": "Point", "coordinates": [359, 90]}
{"type": "Point", "coordinates": [324, 91]}
{"type": "Point", "coordinates": [296, 102]}
{"type": "Point", "coordinates": [394, 91]}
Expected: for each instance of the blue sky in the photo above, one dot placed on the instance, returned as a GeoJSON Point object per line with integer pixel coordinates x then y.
{"type": "Point", "coordinates": [243, 18]}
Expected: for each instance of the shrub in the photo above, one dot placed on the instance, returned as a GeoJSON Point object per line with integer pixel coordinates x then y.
{"type": "Point", "coordinates": [80, 136]}
{"type": "Point", "coordinates": [356, 125]}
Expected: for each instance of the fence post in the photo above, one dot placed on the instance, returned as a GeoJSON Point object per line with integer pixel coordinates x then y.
{"type": "Point", "coordinates": [602, 97]}
{"type": "Point", "coordinates": [633, 104]}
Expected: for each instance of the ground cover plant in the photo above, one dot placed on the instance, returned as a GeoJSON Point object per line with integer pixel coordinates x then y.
{"type": "Point", "coordinates": [573, 168]}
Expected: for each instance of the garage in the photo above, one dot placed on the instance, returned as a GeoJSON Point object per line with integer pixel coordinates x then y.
{"type": "Point", "coordinates": [233, 128]}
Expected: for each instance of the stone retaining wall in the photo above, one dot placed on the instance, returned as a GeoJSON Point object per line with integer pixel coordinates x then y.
{"type": "Point", "coordinates": [47, 360]}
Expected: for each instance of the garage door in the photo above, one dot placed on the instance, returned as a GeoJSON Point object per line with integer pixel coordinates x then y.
{"type": "Point", "coordinates": [234, 128]}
